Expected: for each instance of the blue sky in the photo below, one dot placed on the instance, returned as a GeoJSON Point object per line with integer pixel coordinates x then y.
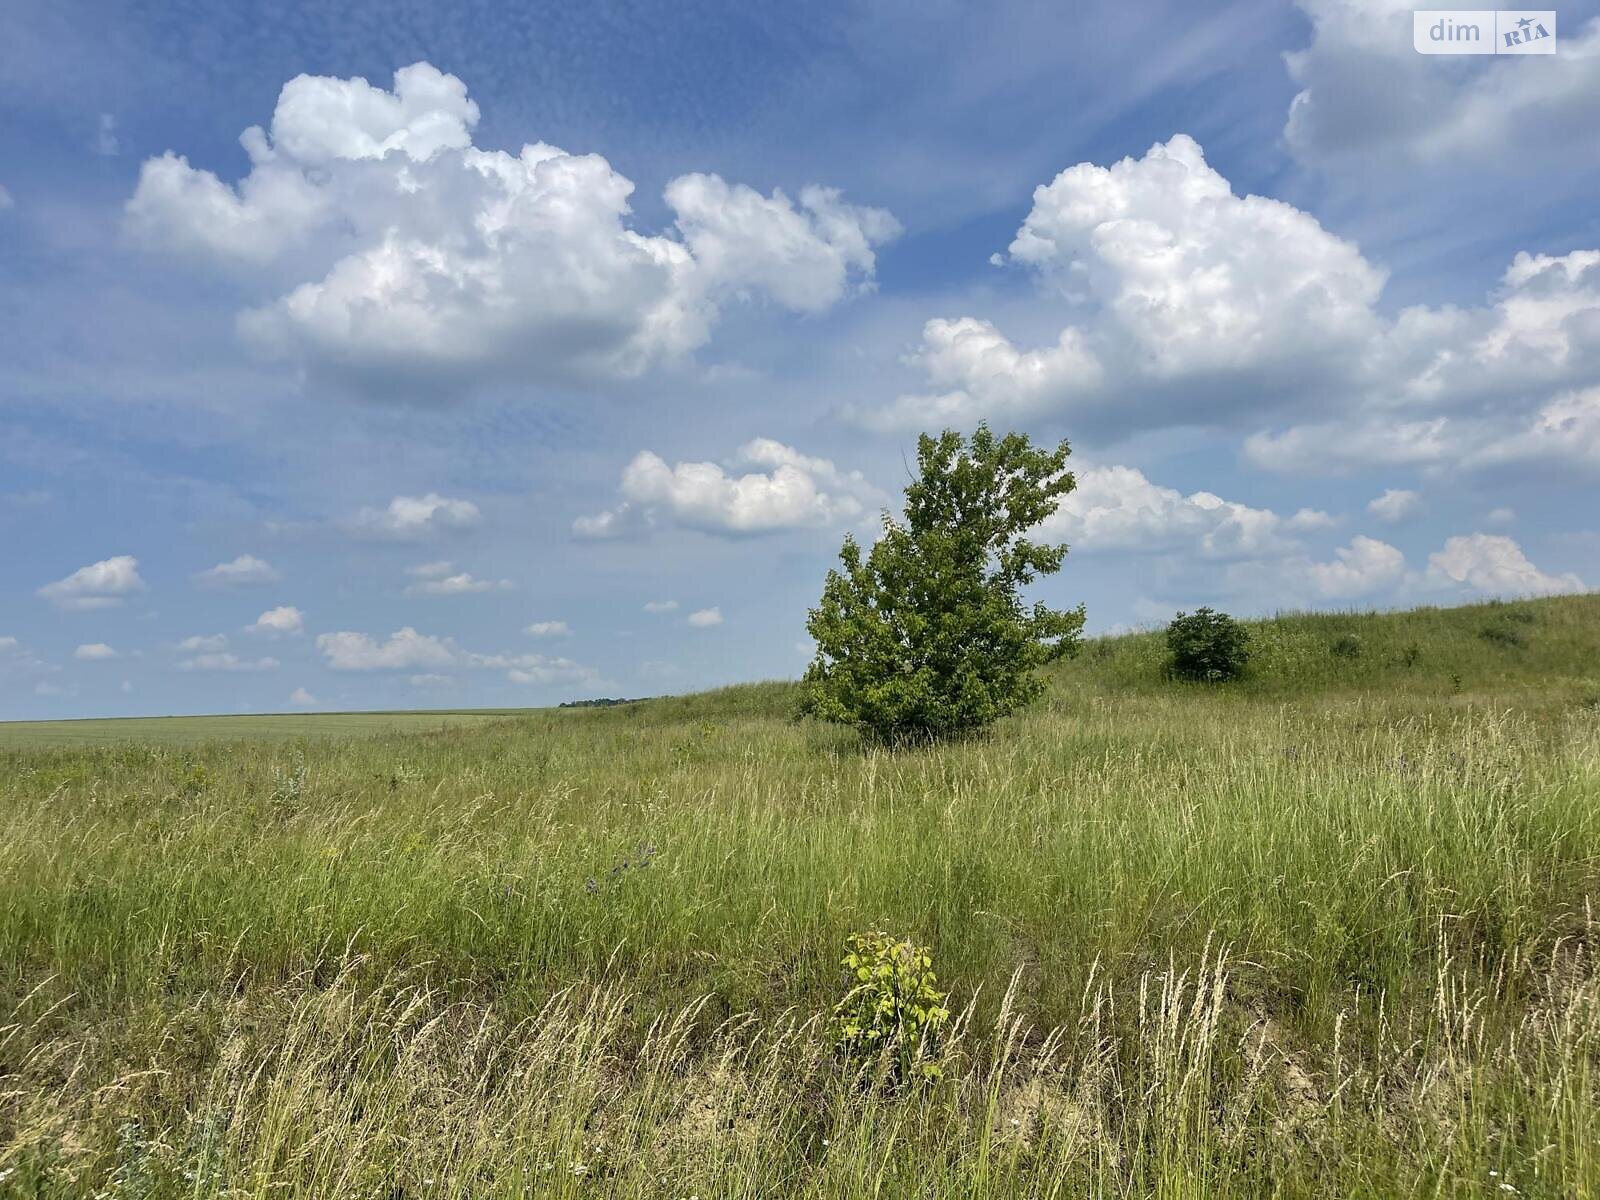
{"type": "Point", "coordinates": [417, 356]}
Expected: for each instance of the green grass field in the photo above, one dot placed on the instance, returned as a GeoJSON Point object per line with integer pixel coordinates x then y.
{"type": "Point", "coordinates": [174, 731]}
{"type": "Point", "coordinates": [1328, 931]}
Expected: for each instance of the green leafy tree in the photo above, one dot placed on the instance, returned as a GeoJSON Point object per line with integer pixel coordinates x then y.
{"type": "Point", "coordinates": [926, 636]}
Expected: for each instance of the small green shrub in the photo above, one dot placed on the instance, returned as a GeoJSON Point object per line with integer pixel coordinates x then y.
{"type": "Point", "coordinates": [1503, 636]}
{"type": "Point", "coordinates": [1411, 656]}
{"type": "Point", "coordinates": [1510, 612]}
{"type": "Point", "coordinates": [289, 785]}
{"type": "Point", "coordinates": [1346, 645]}
{"type": "Point", "coordinates": [193, 780]}
{"type": "Point", "coordinates": [1207, 646]}
{"type": "Point", "coordinates": [891, 1007]}
{"type": "Point", "coordinates": [135, 1176]}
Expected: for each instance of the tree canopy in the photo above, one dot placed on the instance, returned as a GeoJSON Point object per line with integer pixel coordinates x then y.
{"type": "Point", "coordinates": [926, 635]}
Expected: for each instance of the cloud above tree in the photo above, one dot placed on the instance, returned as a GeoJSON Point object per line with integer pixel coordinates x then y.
{"type": "Point", "coordinates": [1194, 306]}
{"type": "Point", "coordinates": [794, 491]}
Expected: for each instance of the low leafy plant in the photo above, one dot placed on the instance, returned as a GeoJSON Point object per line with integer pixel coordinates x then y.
{"type": "Point", "coordinates": [289, 784]}
{"type": "Point", "coordinates": [404, 775]}
{"type": "Point", "coordinates": [135, 1176]}
{"type": "Point", "coordinates": [1503, 636]}
{"type": "Point", "coordinates": [1512, 612]}
{"type": "Point", "coordinates": [193, 780]}
{"type": "Point", "coordinates": [1346, 645]}
{"type": "Point", "coordinates": [1207, 646]}
{"type": "Point", "coordinates": [891, 1008]}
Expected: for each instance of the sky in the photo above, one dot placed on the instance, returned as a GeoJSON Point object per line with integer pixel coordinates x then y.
{"type": "Point", "coordinates": [421, 356]}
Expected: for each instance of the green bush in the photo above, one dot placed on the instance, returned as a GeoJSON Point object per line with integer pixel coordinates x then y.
{"type": "Point", "coordinates": [1207, 646]}
{"type": "Point", "coordinates": [927, 636]}
{"type": "Point", "coordinates": [1346, 645]}
{"type": "Point", "coordinates": [1504, 636]}
{"type": "Point", "coordinates": [1512, 612]}
{"type": "Point", "coordinates": [891, 1012]}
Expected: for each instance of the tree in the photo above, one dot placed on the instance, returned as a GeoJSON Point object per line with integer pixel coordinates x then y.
{"type": "Point", "coordinates": [926, 635]}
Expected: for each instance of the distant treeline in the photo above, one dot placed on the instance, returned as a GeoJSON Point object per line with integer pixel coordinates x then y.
{"type": "Point", "coordinates": [602, 702]}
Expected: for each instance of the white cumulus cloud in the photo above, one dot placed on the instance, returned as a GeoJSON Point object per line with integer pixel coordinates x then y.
{"type": "Point", "coordinates": [1118, 508]}
{"type": "Point", "coordinates": [418, 262]}
{"type": "Point", "coordinates": [533, 668]}
{"type": "Point", "coordinates": [794, 491]}
{"type": "Point", "coordinates": [802, 257]}
{"type": "Point", "coordinates": [1363, 568]}
{"type": "Point", "coordinates": [1193, 277]}
{"type": "Point", "coordinates": [1196, 299]}
{"type": "Point", "coordinates": [245, 571]}
{"type": "Point", "coordinates": [1493, 565]}
{"type": "Point", "coordinates": [976, 372]}
{"type": "Point", "coordinates": [302, 698]}
{"type": "Point", "coordinates": [1192, 305]}
{"type": "Point", "coordinates": [204, 643]}
{"type": "Point", "coordinates": [415, 518]}
{"type": "Point", "coordinates": [706, 618]}
{"type": "Point", "coordinates": [93, 651]}
{"type": "Point", "coordinates": [431, 656]}
{"type": "Point", "coordinates": [539, 669]}
{"type": "Point", "coordinates": [1395, 505]}
{"type": "Point", "coordinates": [405, 648]}
{"type": "Point", "coordinates": [1516, 382]}
{"type": "Point", "coordinates": [548, 629]}
{"type": "Point", "coordinates": [1460, 112]}
{"type": "Point", "coordinates": [284, 619]}
{"type": "Point", "coordinates": [104, 584]}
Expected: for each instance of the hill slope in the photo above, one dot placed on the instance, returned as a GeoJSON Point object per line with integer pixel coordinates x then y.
{"type": "Point", "coordinates": [1544, 653]}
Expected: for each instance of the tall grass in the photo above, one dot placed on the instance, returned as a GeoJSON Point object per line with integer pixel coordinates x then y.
{"type": "Point", "coordinates": [1324, 932]}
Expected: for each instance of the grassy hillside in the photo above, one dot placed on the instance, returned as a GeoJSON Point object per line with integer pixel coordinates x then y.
{"type": "Point", "coordinates": [1327, 931]}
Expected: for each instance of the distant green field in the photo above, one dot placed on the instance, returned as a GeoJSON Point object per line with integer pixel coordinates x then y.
{"type": "Point", "coordinates": [33, 735]}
